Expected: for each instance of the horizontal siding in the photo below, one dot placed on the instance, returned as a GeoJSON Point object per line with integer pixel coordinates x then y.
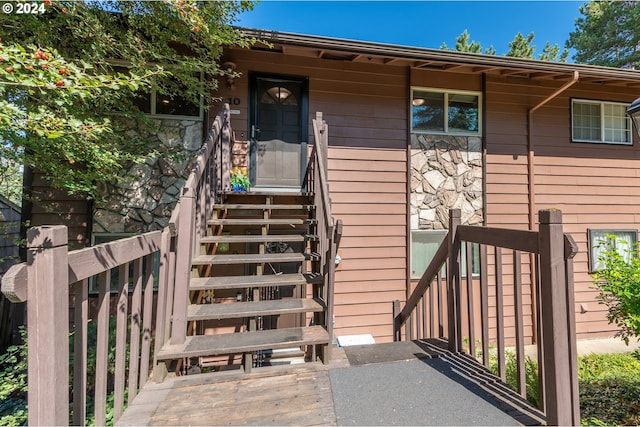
{"type": "Point", "coordinates": [50, 206]}
{"type": "Point", "coordinates": [373, 250]}
{"type": "Point", "coordinates": [595, 185]}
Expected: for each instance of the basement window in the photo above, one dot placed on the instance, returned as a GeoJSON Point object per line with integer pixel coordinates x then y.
{"type": "Point", "coordinates": [623, 241]}
{"type": "Point", "coordinates": [434, 111]}
{"type": "Point", "coordinates": [425, 244]}
{"type": "Point", "coordinates": [600, 122]}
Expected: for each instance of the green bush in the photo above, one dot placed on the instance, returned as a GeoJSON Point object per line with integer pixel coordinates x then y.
{"type": "Point", "coordinates": [619, 284]}
{"type": "Point", "coordinates": [13, 378]}
{"type": "Point", "coordinates": [13, 384]}
{"type": "Point", "coordinates": [511, 374]}
{"type": "Point", "coordinates": [609, 389]}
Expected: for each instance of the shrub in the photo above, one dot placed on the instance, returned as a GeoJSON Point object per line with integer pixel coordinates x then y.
{"type": "Point", "coordinates": [13, 384]}
{"type": "Point", "coordinates": [619, 284]}
{"type": "Point", "coordinates": [609, 389]}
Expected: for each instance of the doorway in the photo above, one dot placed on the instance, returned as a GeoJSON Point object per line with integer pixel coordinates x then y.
{"type": "Point", "coordinates": [278, 131]}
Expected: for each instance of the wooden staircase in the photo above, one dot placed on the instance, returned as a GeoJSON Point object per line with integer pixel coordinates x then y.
{"type": "Point", "coordinates": [256, 287]}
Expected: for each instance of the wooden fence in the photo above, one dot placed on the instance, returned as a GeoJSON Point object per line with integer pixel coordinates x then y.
{"type": "Point", "coordinates": [52, 275]}
{"type": "Point", "coordinates": [447, 304]}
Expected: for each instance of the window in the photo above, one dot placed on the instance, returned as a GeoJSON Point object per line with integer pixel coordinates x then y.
{"type": "Point", "coordinates": [623, 241]}
{"type": "Point", "coordinates": [156, 103]}
{"type": "Point", "coordinates": [425, 244]}
{"type": "Point", "coordinates": [602, 122]}
{"type": "Point", "coordinates": [445, 112]}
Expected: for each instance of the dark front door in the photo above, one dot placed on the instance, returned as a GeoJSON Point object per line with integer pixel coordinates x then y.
{"type": "Point", "coordinates": [278, 131]}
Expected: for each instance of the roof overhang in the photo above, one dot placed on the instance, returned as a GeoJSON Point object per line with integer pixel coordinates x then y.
{"type": "Point", "coordinates": [436, 59]}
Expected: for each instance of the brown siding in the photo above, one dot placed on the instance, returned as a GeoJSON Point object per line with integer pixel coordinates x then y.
{"type": "Point", "coordinates": [366, 110]}
{"type": "Point", "coordinates": [51, 206]}
{"type": "Point", "coordinates": [595, 185]}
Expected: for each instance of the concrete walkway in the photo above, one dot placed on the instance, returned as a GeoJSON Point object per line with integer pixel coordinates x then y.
{"type": "Point", "coordinates": [404, 383]}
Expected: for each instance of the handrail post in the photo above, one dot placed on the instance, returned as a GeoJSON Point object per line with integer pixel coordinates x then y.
{"type": "Point", "coordinates": [453, 283]}
{"type": "Point", "coordinates": [183, 266]}
{"type": "Point", "coordinates": [225, 149]}
{"type": "Point", "coordinates": [555, 333]}
{"type": "Point", "coordinates": [48, 325]}
{"type": "Point", "coordinates": [397, 333]}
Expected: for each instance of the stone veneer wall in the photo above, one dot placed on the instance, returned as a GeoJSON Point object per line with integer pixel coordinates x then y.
{"type": "Point", "coordinates": [144, 199]}
{"type": "Point", "coordinates": [446, 172]}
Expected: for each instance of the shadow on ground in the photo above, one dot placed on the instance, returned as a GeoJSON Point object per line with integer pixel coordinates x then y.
{"type": "Point", "coordinates": [421, 383]}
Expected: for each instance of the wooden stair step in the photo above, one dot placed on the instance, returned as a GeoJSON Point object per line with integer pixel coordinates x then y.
{"type": "Point", "coordinates": [257, 238]}
{"type": "Point", "coordinates": [236, 310]}
{"type": "Point", "coordinates": [260, 193]}
{"type": "Point", "coordinates": [261, 221]}
{"type": "Point", "coordinates": [253, 207]}
{"type": "Point", "coordinates": [240, 282]}
{"type": "Point", "coordinates": [244, 342]}
{"type": "Point", "coordinates": [251, 258]}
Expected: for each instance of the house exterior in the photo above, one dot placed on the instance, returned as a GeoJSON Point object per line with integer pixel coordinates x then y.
{"type": "Point", "coordinates": [415, 132]}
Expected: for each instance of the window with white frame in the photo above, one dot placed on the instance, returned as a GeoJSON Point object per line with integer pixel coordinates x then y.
{"type": "Point", "coordinates": [600, 122]}
{"type": "Point", "coordinates": [425, 244]}
{"type": "Point", "coordinates": [623, 241]}
{"type": "Point", "coordinates": [437, 111]}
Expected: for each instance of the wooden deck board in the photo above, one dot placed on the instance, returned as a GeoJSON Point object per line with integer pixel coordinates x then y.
{"type": "Point", "coordinates": [252, 308]}
{"type": "Point", "coordinates": [293, 395]}
{"type": "Point", "coordinates": [257, 238]}
{"type": "Point", "coordinates": [213, 345]}
{"type": "Point", "coordinates": [238, 282]}
{"type": "Point", "coordinates": [248, 258]}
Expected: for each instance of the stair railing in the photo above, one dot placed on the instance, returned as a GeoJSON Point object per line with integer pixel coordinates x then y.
{"type": "Point", "coordinates": [445, 299]}
{"type": "Point", "coordinates": [188, 223]}
{"type": "Point", "coordinates": [52, 275]}
{"type": "Point", "coordinates": [329, 231]}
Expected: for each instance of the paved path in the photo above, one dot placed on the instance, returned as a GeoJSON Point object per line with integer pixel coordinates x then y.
{"type": "Point", "coordinates": [383, 384]}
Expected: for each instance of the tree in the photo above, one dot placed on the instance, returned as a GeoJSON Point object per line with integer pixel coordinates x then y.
{"type": "Point", "coordinates": [608, 33]}
{"type": "Point", "coordinates": [550, 53]}
{"type": "Point", "coordinates": [64, 99]}
{"type": "Point", "coordinates": [520, 47]}
{"type": "Point", "coordinates": [463, 45]}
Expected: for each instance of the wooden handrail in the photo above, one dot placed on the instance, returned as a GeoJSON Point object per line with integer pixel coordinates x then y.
{"type": "Point", "coordinates": [430, 273]}
{"type": "Point", "coordinates": [320, 148]}
{"type": "Point", "coordinates": [51, 271]}
{"type": "Point", "coordinates": [552, 252]}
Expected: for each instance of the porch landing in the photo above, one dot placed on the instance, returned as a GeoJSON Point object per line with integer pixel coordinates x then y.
{"type": "Point", "coordinates": [403, 383]}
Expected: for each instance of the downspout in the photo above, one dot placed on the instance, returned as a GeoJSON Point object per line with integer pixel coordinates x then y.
{"type": "Point", "coordinates": [531, 172]}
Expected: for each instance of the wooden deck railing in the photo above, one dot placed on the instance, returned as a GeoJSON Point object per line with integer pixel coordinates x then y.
{"type": "Point", "coordinates": [445, 300]}
{"type": "Point", "coordinates": [51, 272]}
{"type": "Point", "coordinates": [329, 231]}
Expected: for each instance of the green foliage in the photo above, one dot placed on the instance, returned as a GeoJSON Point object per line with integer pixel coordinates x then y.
{"type": "Point", "coordinates": [13, 384]}
{"type": "Point", "coordinates": [520, 47]}
{"type": "Point", "coordinates": [608, 33]}
{"type": "Point", "coordinates": [511, 374]}
{"type": "Point", "coordinates": [619, 285]}
{"type": "Point", "coordinates": [65, 106]}
{"type": "Point", "coordinates": [609, 389]}
{"type": "Point", "coordinates": [463, 45]}
{"type": "Point", "coordinates": [550, 53]}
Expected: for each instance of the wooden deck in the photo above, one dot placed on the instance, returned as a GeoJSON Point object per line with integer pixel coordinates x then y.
{"type": "Point", "coordinates": [370, 383]}
{"type": "Point", "coordinates": [280, 395]}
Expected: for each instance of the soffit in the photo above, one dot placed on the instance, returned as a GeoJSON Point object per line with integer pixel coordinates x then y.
{"type": "Point", "coordinates": [435, 59]}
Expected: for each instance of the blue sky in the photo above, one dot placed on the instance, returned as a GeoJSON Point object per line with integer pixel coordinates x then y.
{"type": "Point", "coordinates": [421, 23]}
